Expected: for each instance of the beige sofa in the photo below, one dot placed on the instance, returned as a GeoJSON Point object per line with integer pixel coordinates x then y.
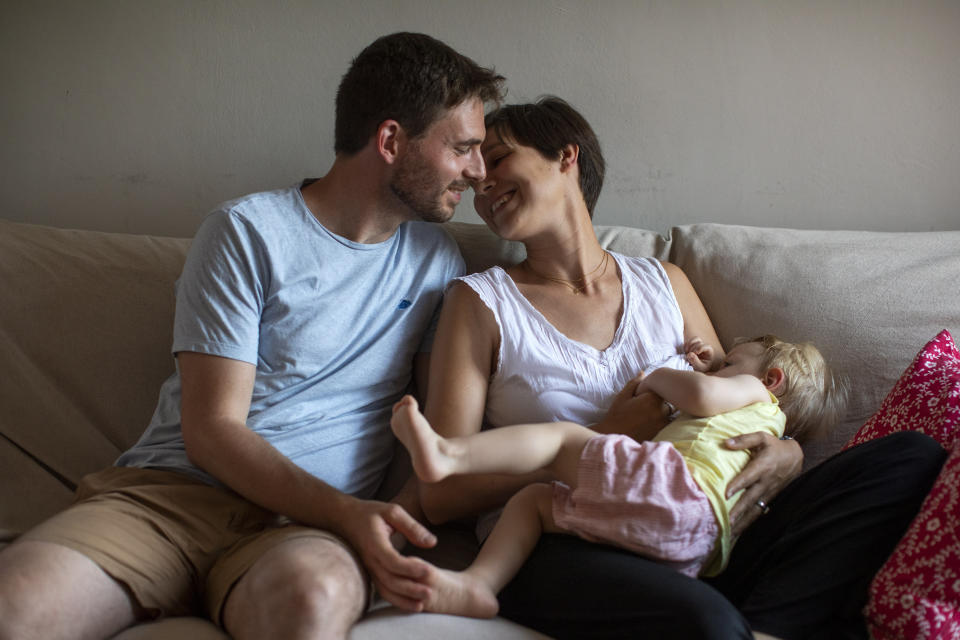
{"type": "Point", "coordinates": [86, 317]}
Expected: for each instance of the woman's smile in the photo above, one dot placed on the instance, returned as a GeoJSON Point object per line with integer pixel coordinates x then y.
{"type": "Point", "coordinates": [502, 200]}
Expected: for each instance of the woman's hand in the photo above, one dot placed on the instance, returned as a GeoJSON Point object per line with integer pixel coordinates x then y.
{"type": "Point", "coordinates": [634, 412]}
{"type": "Point", "coordinates": [774, 463]}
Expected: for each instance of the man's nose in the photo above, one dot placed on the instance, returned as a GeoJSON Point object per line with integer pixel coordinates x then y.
{"type": "Point", "coordinates": [476, 170]}
{"type": "Point", "coordinates": [484, 184]}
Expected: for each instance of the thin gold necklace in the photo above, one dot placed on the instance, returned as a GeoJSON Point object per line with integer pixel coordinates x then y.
{"type": "Point", "coordinates": [577, 290]}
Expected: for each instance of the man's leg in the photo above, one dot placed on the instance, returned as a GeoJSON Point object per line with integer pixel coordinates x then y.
{"type": "Point", "coordinates": [48, 592]}
{"type": "Point", "coordinates": [802, 570]}
{"type": "Point", "coordinates": [108, 560]}
{"type": "Point", "coordinates": [290, 583]}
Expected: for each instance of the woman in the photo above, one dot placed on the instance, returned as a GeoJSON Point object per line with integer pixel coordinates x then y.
{"type": "Point", "coordinates": [562, 336]}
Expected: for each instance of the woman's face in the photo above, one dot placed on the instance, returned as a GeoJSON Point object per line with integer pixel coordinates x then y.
{"type": "Point", "coordinates": [521, 190]}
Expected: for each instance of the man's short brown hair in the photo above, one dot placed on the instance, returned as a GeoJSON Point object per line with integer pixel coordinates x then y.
{"type": "Point", "coordinates": [408, 77]}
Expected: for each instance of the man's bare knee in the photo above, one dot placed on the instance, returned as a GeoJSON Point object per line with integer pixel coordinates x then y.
{"type": "Point", "coordinates": [302, 588]}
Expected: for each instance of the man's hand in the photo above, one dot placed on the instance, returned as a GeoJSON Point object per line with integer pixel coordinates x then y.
{"type": "Point", "coordinates": [773, 465]}
{"type": "Point", "coordinates": [367, 525]}
{"type": "Point", "coordinates": [634, 412]}
{"type": "Point", "coordinates": [409, 498]}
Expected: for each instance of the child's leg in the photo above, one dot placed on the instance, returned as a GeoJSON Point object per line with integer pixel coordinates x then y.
{"type": "Point", "coordinates": [473, 592]}
{"type": "Point", "coordinates": [517, 449]}
{"type": "Point", "coordinates": [527, 516]}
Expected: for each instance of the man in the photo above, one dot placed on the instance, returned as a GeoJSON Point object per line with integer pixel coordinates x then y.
{"type": "Point", "coordinates": [300, 313]}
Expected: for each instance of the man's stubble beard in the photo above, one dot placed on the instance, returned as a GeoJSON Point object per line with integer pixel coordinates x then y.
{"type": "Point", "coordinates": [414, 186]}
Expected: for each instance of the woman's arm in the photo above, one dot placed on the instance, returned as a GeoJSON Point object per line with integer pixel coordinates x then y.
{"type": "Point", "coordinates": [696, 322]}
{"type": "Point", "coordinates": [638, 414]}
{"type": "Point", "coordinates": [773, 464]}
{"type": "Point", "coordinates": [463, 359]}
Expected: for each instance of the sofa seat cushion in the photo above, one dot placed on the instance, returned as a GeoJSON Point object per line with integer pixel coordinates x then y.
{"type": "Point", "coordinates": [383, 622]}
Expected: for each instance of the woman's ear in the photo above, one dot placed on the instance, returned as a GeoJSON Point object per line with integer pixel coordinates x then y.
{"type": "Point", "coordinates": [388, 139]}
{"type": "Point", "coordinates": [569, 155]}
{"type": "Point", "coordinates": [774, 380]}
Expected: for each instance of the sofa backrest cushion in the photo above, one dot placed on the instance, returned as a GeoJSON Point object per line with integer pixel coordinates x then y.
{"type": "Point", "coordinates": [85, 330]}
{"type": "Point", "coordinates": [869, 300]}
{"type": "Point", "coordinates": [86, 321]}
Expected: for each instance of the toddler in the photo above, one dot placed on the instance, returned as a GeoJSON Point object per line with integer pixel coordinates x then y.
{"type": "Point", "coordinates": [663, 499]}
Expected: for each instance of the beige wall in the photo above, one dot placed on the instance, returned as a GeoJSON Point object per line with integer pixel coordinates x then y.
{"type": "Point", "coordinates": [140, 115]}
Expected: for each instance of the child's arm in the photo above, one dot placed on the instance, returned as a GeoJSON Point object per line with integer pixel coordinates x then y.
{"type": "Point", "coordinates": [702, 395]}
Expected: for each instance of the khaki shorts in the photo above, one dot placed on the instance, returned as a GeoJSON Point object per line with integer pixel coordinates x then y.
{"type": "Point", "coordinates": [178, 545]}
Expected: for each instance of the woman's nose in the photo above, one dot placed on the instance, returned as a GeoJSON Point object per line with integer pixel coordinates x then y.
{"type": "Point", "coordinates": [483, 184]}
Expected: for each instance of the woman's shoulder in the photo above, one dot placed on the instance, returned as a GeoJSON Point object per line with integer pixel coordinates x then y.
{"type": "Point", "coordinates": [486, 283]}
{"type": "Point", "coordinates": [491, 291]}
{"type": "Point", "coordinates": [492, 274]}
{"type": "Point", "coordinates": [469, 291]}
{"type": "Point", "coordinates": [642, 262]}
{"type": "Point", "coordinates": [471, 311]}
{"type": "Point", "coordinates": [645, 266]}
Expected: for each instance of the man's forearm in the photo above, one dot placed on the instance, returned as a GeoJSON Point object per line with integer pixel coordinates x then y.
{"type": "Point", "coordinates": [249, 465]}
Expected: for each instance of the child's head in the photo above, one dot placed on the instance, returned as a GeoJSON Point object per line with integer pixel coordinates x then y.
{"type": "Point", "coordinates": [811, 395]}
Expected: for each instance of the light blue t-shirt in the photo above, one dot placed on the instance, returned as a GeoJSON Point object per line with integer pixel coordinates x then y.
{"type": "Point", "coordinates": [331, 325]}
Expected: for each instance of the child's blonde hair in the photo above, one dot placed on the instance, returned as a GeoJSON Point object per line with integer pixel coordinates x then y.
{"type": "Point", "coordinates": [813, 397]}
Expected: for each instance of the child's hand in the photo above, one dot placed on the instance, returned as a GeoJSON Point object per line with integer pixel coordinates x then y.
{"type": "Point", "coordinates": [699, 354]}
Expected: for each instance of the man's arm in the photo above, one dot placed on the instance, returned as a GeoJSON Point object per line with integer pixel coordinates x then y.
{"type": "Point", "coordinates": [215, 403]}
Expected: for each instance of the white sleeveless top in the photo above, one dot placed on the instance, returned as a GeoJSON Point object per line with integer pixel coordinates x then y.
{"type": "Point", "coordinates": [543, 376]}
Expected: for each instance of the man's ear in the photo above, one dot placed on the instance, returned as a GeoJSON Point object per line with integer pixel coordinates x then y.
{"type": "Point", "coordinates": [389, 139]}
{"type": "Point", "coordinates": [569, 155]}
{"type": "Point", "coordinates": [774, 380]}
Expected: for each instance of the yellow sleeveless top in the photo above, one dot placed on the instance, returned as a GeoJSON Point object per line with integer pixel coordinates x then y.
{"type": "Point", "coordinates": [713, 466]}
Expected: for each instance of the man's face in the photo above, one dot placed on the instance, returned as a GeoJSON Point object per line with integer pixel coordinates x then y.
{"type": "Point", "coordinates": [435, 169]}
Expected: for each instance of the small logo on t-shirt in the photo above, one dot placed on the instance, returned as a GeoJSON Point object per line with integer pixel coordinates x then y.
{"type": "Point", "coordinates": [404, 304]}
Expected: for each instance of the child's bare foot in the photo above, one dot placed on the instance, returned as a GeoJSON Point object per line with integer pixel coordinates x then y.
{"type": "Point", "coordinates": [423, 443]}
{"type": "Point", "coordinates": [460, 594]}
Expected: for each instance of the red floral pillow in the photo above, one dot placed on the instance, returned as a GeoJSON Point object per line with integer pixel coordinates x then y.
{"type": "Point", "coordinates": [916, 593]}
{"type": "Point", "coordinates": [926, 397]}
